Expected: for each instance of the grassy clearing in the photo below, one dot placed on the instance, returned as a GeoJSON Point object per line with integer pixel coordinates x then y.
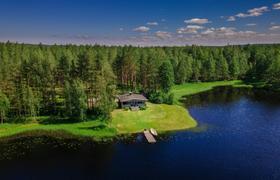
{"type": "Point", "coordinates": [159, 116]}
{"type": "Point", "coordinates": [162, 117]}
{"type": "Point", "coordinates": [96, 129]}
{"type": "Point", "coordinates": [194, 88]}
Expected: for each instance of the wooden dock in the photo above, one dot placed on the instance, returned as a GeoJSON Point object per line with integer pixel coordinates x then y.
{"type": "Point", "coordinates": [150, 138]}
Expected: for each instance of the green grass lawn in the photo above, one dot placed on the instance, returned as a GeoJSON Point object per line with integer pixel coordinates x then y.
{"type": "Point", "coordinates": [161, 117]}
{"type": "Point", "coordinates": [96, 129]}
{"type": "Point", "coordinates": [194, 88]}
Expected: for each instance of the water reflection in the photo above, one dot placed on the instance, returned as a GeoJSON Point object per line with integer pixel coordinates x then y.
{"type": "Point", "coordinates": [237, 138]}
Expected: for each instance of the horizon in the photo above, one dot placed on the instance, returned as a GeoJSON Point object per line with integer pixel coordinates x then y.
{"type": "Point", "coordinates": [138, 46]}
{"type": "Point", "coordinates": [142, 23]}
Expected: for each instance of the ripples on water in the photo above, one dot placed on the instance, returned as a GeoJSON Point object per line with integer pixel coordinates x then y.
{"type": "Point", "coordinates": [238, 137]}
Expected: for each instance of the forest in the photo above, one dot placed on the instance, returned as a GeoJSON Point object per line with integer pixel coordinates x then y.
{"type": "Point", "coordinates": [77, 82]}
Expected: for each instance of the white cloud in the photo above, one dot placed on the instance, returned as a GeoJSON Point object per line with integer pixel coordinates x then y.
{"type": "Point", "coordinates": [82, 36]}
{"type": "Point", "coordinates": [231, 18]}
{"type": "Point", "coordinates": [152, 23]}
{"type": "Point", "coordinates": [258, 11]}
{"type": "Point", "coordinates": [208, 31]}
{"type": "Point", "coordinates": [226, 32]}
{"type": "Point", "coordinates": [210, 36]}
{"type": "Point", "coordinates": [197, 21]}
{"type": "Point", "coordinates": [163, 34]}
{"type": "Point", "coordinates": [121, 29]}
{"type": "Point", "coordinates": [142, 29]}
{"type": "Point", "coordinates": [251, 24]}
{"type": "Point", "coordinates": [253, 12]}
{"type": "Point", "coordinates": [274, 28]}
{"type": "Point", "coordinates": [212, 39]}
{"type": "Point", "coordinates": [241, 15]}
{"type": "Point", "coordinates": [250, 13]}
{"type": "Point", "coordinates": [276, 6]}
{"type": "Point", "coordinates": [190, 29]}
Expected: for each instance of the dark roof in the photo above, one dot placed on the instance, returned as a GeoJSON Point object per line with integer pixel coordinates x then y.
{"type": "Point", "coordinates": [131, 96]}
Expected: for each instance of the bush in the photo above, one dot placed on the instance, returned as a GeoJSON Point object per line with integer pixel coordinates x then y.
{"type": "Point", "coordinates": [142, 108]}
{"type": "Point", "coordinates": [169, 99]}
{"type": "Point", "coordinates": [161, 98]}
{"type": "Point", "coordinates": [156, 97]}
{"type": "Point", "coordinates": [126, 109]}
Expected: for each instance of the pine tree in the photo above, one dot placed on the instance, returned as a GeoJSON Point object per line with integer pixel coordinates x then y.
{"type": "Point", "coordinates": [273, 72]}
{"type": "Point", "coordinates": [166, 76]}
{"type": "Point", "coordinates": [85, 65]}
{"type": "Point", "coordinates": [143, 72]}
{"type": "Point", "coordinates": [4, 66]}
{"type": "Point", "coordinates": [211, 69]}
{"type": "Point", "coordinates": [104, 87]}
{"type": "Point", "coordinates": [189, 70]}
{"type": "Point", "coordinates": [4, 106]}
{"type": "Point", "coordinates": [31, 102]}
{"type": "Point", "coordinates": [196, 70]}
{"type": "Point", "coordinates": [222, 68]}
{"type": "Point", "coordinates": [234, 66]}
{"type": "Point", "coordinates": [47, 82]}
{"type": "Point", "coordinates": [152, 73]}
{"type": "Point", "coordinates": [75, 100]}
{"type": "Point", "coordinates": [64, 67]}
{"type": "Point", "coordinates": [181, 72]}
{"type": "Point", "coordinates": [33, 77]}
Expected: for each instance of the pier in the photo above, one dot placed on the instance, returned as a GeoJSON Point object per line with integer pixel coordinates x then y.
{"type": "Point", "coordinates": [150, 138]}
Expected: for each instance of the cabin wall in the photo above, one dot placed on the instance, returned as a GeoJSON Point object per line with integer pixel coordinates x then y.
{"type": "Point", "coordinates": [129, 104]}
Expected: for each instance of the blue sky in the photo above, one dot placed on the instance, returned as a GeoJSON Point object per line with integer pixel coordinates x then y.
{"type": "Point", "coordinates": [140, 22]}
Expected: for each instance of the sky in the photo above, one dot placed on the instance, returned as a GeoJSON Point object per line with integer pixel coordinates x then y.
{"type": "Point", "coordinates": [140, 22]}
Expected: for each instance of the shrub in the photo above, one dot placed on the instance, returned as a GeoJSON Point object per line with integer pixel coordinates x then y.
{"type": "Point", "coordinates": [156, 97]}
{"type": "Point", "coordinates": [169, 99]}
{"type": "Point", "coordinates": [142, 108]}
{"type": "Point", "coordinates": [161, 98]}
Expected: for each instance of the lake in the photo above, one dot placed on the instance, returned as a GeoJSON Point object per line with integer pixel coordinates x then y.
{"type": "Point", "coordinates": [238, 137]}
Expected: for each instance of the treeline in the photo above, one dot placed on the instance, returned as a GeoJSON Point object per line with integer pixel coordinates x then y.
{"type": "Point", "coordinates": [77, 81]}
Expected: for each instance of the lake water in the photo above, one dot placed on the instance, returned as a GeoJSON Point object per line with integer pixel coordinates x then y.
{"type": "Point", "coordinates": [238, 137]}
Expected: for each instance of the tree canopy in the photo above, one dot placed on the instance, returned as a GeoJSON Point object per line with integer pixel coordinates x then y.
{"type": "Point", "coordinates": [75, 81]}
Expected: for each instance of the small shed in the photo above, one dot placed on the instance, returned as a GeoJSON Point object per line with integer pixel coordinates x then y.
{"type": "Point", "coordinates": [132, 100]}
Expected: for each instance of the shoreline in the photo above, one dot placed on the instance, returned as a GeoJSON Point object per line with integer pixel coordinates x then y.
{"type": "Point", "coordinates": [102, 132]}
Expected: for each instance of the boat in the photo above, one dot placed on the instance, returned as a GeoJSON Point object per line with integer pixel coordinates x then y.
{"type": "Point", "coordinates": [153, 132]}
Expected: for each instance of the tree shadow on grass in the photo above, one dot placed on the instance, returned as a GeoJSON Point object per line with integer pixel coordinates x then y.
{"type": "Point", "coordinates": [238, 83]}
{"type": "Point", "coordinates": [57, 120]}
{"type": "Point", "coordinates": [95, 128]}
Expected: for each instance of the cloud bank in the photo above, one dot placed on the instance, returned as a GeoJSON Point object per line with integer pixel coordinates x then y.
{"type": "Point", "coordinates": [141, 29]}
{"type": "Point", "coordinates": [197, 21]}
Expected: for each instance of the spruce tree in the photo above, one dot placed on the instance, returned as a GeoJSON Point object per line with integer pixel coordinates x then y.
{"type": "Point", "coordinates": [75, 100]}
{"type": "Point", "coordinates": [166, 76]}
{"type": "Point", "coordinates": [4, 106]}
{"type": "Point", "coordinates": [181, 72]}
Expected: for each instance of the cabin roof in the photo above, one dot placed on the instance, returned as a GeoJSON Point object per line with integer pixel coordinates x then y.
{"type": "Point", "coordinates": [132, 96]}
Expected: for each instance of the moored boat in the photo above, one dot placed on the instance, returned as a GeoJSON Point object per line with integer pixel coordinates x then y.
{"type": "Point", "coordinates": [153, 132]}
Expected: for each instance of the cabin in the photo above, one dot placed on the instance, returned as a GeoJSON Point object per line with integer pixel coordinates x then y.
{"type": "Point", "coordinates": [132, 100]}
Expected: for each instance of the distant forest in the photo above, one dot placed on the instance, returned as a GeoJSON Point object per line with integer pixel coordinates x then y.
{"type": "Point", "coordinates": [71, 81]}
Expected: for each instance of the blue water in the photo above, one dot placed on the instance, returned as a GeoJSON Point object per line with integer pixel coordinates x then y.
{"type": "Point", "coordinates": [238, 138]}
